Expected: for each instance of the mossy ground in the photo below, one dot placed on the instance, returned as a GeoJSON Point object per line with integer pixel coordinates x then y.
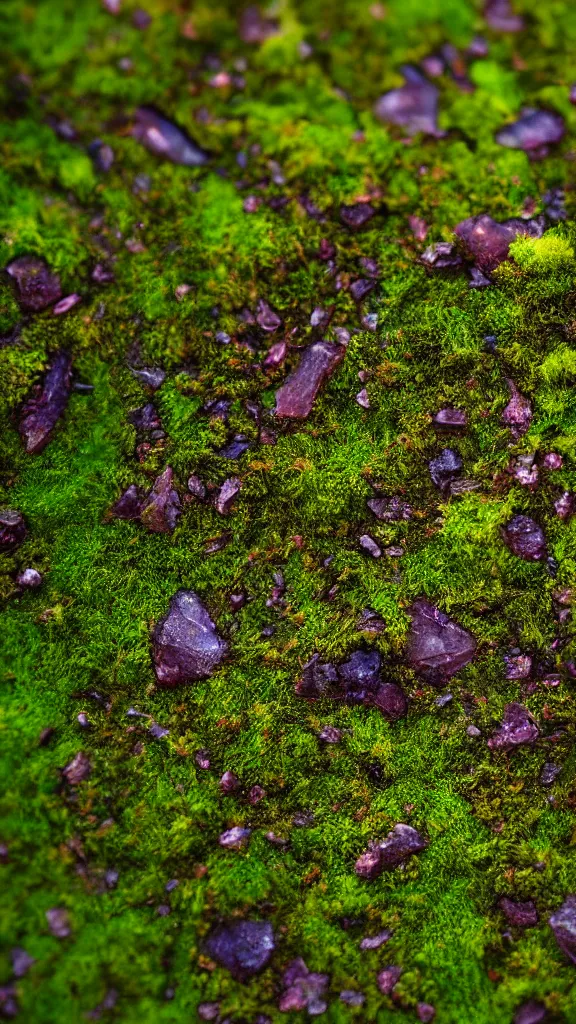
{"type": "Point", "coordinates": [147, 810]}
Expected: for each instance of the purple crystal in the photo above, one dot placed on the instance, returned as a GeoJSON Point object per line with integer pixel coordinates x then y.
{"type": "Point", "coordinates": [243, 947]}
{"type": "Point", "coordinates": [12, 529]}
{"type": "Point", "coordinates": [44, 408]}
{"type": "Point", "coordinates": [437, 647]}
{"type": "Point", "coordinates": [414, 106]}
{"type": "Point", "coordinates": [161, 507]}
{"type": "Point", "coordinates": [534, 132]}
{"type": "Point", "coordinates": [400, 844]}
{"type": "Point", "coordinates": [296, 396]}
{"type": "Point", "coordinates": [165, 139]}
{"type": "Point", "coordinates": [229, 783]}
{"type": "Point", "coordinates": [517, 728]}
{"type": "Point", "coordinates": [563, 924]}
{"type": "Point", "coordinates": [37, 287]}
{"type": "Point", "coordinates": [487, 241]}
{"type": "Point", "coordinates": [525, 538]}
{"type": "Point", "coordinates": [519, 915]}
{"type": "Point", "coordinates": [185, 643]}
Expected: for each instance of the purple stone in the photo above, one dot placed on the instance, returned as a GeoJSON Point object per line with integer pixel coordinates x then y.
{"type": "Point", "coordinates": [229, 783]}
{"type": "Point", "coordinates": [44, 408]}
{"type": "Point", "coordinates": [129, 504]}
{"type": "Point", "coordinates": [534, 132]}
{"type": "Point", "coordinates": [375, 941]}
{"type": "Point", "coordinates": [437, 647]}
{"type": "Point", "coordinates": [487, 241]}
{"type": "Point", "coordinates": [141, 19]}
{"type": "Point", "coordinates": [552, 460]}
{"type": "Point", "coordinates": [414, 106]}
{"type": "Point", "coordinates": [351, 997]}
{"type": "Point", "coordinates": [388, 979]}
{"type": "Point", "coordinates": [161, 507]}
{"type": "Point", "coordinates": [165, 139]}
{"type": "Point", "coordinates": [445, 468]}
{"type": "Point", "coordinates": [442, 256]}
{"type": "Point", "coordinates": [236, 448]}
{"type": "Point", "coordinates": [78, 769]}
{"type": "Point", "coordinates": [304, 990]}
{"type": "Point", "coordinates": [237, 601]}
{"type": "Point", "coordinates": [317, 680]}
{"type": "Point", "coordinates": [151, 376]}
{"type": "Point", "coordinates": [518, 666]}
{"type": "Point", "coordinates": [549, 774]}
{"type": "Point", "coordinates": [530, 1013]}
{"type": "Point", "coordinates": [243, 947]}
{"type": "Point", "coordinates": [145, 418]}
{"type": "Point", "coordinates": [196, 487]}
{"type": "Point", "coordinates": [361, 288]}
{"type": "Point", "coordinates": [563, 924]}
{"type": "Point", "coordinates": [59, 922]}
{"type": "Point", "coordinates": [519, 915]}
{"type": "Point", "coordinates": [518, 413]}
{"type": "Point", "coordinates": [369, 545]}
{"type": "Point", "coordinates": [500, 16]}
{"type": "Point", "coordinates": [360, 675]}
{"type": "Point", "coordinates": [12, 529]}
{"type": "Point", "coordinates": [525, 538]}
{"type": "Point", "coordinates": [425, 1012]}
{"type": "Point", "coordinates": [235, 838]}
{"type": "Point", "coordinates": [565, 505]}
{"type": "Point", "coordinates": [29, 578]}
{"type": "Point", "coordinates": [296, 396]}
{"type": "Point", "coordinates": [102, 274]}
{"type": "Point", "coordinates": [391, 700]}
{"type": "Point", "coordinates": [37, 287]}
{"type": "Point", "coordinates": [450, 419]}
{"type": "Point", "coordinates": [102, 155]}
{"type": "Point", "coordinates": [517, 728]}
{"type": "Point", "coordinates": [400, 844]}
{"type": "Point", "coordinates": [209, 1011]}
{"type": "Point", "coordinates": [227, 495]}
{"type": "Point", "coordinates": [185, 643]}
{"type": "Point", "coordinates": [21, 962]}
{"type": "Point", "coordinates": [266, 318]}
{"type": "Point", "coordinates": [330, 734]}
{"type": "Point", "coordinates": [66, 304]}
{"type": "Point", "coordinates": [356, 215]}
{"type": "Point", "coordinates": [202, 759]}
{"type": "Point", "coordinates": [254, 27]}
{"type": "Point", "coordinates": [276, 355]}
{"type": "Point", "coordinates": [390, 510]}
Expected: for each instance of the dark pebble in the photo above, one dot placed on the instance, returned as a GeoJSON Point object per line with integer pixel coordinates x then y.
{"type": "Point", "coordinates": [519, 915]}
{"type": "Point", "coordinates": [163, 138]}
{"type": "Point", "coordinates": [563, 924]}
{"type": "Point", "coordinates": [518, 727]}
{"type": "Point", "coordinates": [185, 643]}
{"type": "Point", "coordinates": [525, 538]}
{"type": "Point", "coordinates": [44, 407]}
{"type": "Point", "coordinates": [296, 397]}
{"type": "Point", "coordinates": [36, 286]}
{"type": "Point", "coordinates": [243, 947]}
{"type": "Point", "coordinates": [414, 106]}
{"type": "Point", "coordinates": [12, 529]}
{"type": "Point", "coordinates": [437, 647]}
{"type": "Point", "coordinates": [400, 844]}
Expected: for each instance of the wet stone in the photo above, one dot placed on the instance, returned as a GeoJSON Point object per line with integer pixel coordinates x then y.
{"type": "Point", "coordinates": [563, 924]}
{"type": "Point", "coordinates": [445, 468]}
{"type": "Point", "coordinates": [163, 138]}
{"type": "Point", "coordinates": [356, 215]}
{"type": "Point", "coordinates": [413, 107]}
{"type": "Point", "coordinates": [185, 643]}
{"type": "Point", "coordinates": [487, 241]}
{"type": "Point", "coordinates": [296, 397]}
{"type": "Point", "coordinates": [36, 286]}
{"type": "Point", "coordinates": [369, 545]}
{"type": "Point", "coordinates": [12, 529]}
{"type": "Point", "coordinates": [399, 845]}
{"type": "Point", "coordinates": [102, 155]}
{"type": "Point", "coordinates": [565, 505]}
{"type": "Point", "coordinates": [161, 507]}
{"type": "Point", "coordinates": [388, 979]}
{"type": "Point", "coordinates": [534, 132]}
{"type": "Point", "coordinates": [66, 304]}
{"type": "Point", "coordinates": [519, 915]}
{"type": "Point", "coordinates": [437, 646]}
{"type": "Point", "coordinates": [525, 538]}
{"type": "Point", "coordinates": [517, 728]}
{"type": "Point", "coordinates": [44, 407]}
{"type": "Point", "coordinates": [242, 947]}
{"type": "Point", "coordinates": [196, 487]}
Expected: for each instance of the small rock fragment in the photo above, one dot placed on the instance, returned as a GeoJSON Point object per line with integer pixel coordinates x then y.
{"type": "Point", "coordinates": [518, 727]}
{"type": "Point", "coordinates": [563, 924]}
{"type": "Point", "coordinates": [530, 1013]}
{"type": "Point", "coordinates": [229, 783]}
{"type": "Point", "coordinates": [369, 545]}
{"type": "Point", "coordinates": [161, 507]}
{"type": "Point", "coordinates": [65, 304]}
{"type": "Point", "coordinates": [437, 647]}
{"type": "Point", "coordinates": [525, 538]}
{"type": "Point", "coordinates": [425, 1012]}
{"type": "Point", "coordinates": [390, 510]}
{"type": "Point", "coordinates": [78, 769]}
{"type": "Point", "coordinates": [400, 844]}
{"type": "Point", "coordinates": [37, 287]}
{"type": "Point", "coordinates": [375, 941]}
{"type": "Point", "coordinates": [418, 227]}
{"type": "Point", "coordinates": [565, 505]}
{"type": "Point", "coordinates": [12, 529]}
{"type": "Point", "coordinates": [202, 759]}
{"type": "Point", "coordinates": [487, 241]}
{"type": "Point", "coordinates": [445, 468]}
{"type": "Point", "coordinates": [227, 495]}
{"type": "Point", "coordinates": [330, 734]}
{"type": "Point", "coordinates": [59, 922]}
{"type": "Point", "coordinates": [209, 1011]}
{"type": "Point", "coordinates": [266, 318]}
{"type": "Point", "coordinates": [276, 355]}
{"type": "Point", "coordinates": [163, 138]}
{"type": "Point", "coordinates": [185, 643]}
{"type": "Point", "coordinates": [450, 419]}
{"type": "Point", "coordinates": [391, 700]}
{"type": "Point", "coordinates": [356, 215]}
{"type": "Point", "coordinates": [362, 399]}
{"type": "Point", "coordinates": [518, 413]}
{"type": "Point", "coordinates": [196, 487]}
{"type": "Point", "coordinates": [501, 17]}
{"type": "Point", "coordinates": [21, 962]}
{"type": "Point", "coordinates": [129, 504]}
{"type": "Point", "coordinates": [518, 666]}
{"type": "Point", "coordinates": [151, 376]}
{"type": "Point", "coordinates": [519, 915]}
{"type": "Point", "coordinates": [243, 947]}
{"type": "Point", "coordinates": [534, 132]}
{"type": "Point", "coordinates": [549, 774]}
{"type": "Point", "coordinates": [414, 106]}
{"type": "Point", "coordinates": [361, 288]}
{"type": "Point", "coordinates": [552, 461]}
{"type": "Point", "coordinates": [351, 997]}
{"type": "Point", "coordinates": [254, 27]}
{"type": "Point", "coordinates": [388, 978]}
{"type": "Point", "coordinates": [442, 256]}
{"type": "Point", "coordinates": [296, 396]}
{"type": "Point", "coordinates": [235, 838]}
{"type": "Point", "coordinates": [304, 990]}
{"type": "Point", "coordinates": [45, 406]}
{"type": "Point", "coordinates": [30, 578]}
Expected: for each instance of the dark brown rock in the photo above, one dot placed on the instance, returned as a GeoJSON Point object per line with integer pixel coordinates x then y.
{"type": "Point", "coordinates": [12, 529]}
{"type": "Point", "coordinates": [243, 947]}
{"type": "Point", "coordinates": [45, 406]}
{"type": "Point", "coordinates": [161, 507]}
{"type": "Point", "coordinates": [296, 397]}
{"type": "Point", "coordinates": [185, 643]}
{"type": "Point", "coordinates": [165, 139]}
{"type": "Point", "coordinates": [563, 924]}
{"type": "Point", "coordinates": [518, 727]}
{"type": "Point", "coordinates": [519, 915]}
{"type": "Point", "coordinates": [534, 132]}
{"type": "Point", "coordinates": [525, 538]}
{"type": "Point", "coordinates": [487, 241]}
{"type": "Point", "coordinates": [414, 106]}
{"type": "Point", "coordinates": [437, 647]}
{"type": "Point", "coordinates": [36, 286]}
{"type": "Point", "coordinates": [400, 844]}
